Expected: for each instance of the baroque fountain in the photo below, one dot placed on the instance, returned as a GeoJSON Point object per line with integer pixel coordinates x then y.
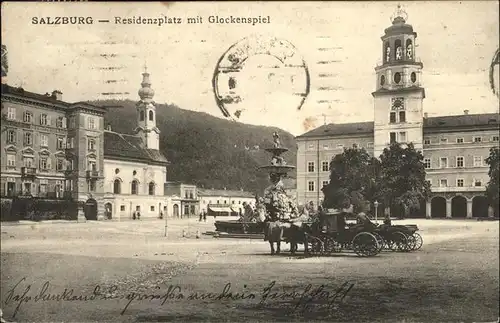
{"type": "Point", "coordinates": [275, 205]}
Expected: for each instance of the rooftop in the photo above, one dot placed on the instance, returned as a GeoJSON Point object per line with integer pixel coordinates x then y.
{"type": "Point", "coordinates": [228, 193]}
{"type": "Point", "coordinates": [433, 123]}
{"type": "Point", "coordinates": [130, 147]}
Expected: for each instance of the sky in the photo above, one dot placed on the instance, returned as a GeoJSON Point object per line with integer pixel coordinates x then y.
{"type": "Point", "coordinates": [456, 43]}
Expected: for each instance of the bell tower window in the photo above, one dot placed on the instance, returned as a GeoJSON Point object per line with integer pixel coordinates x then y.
{"type": "Point", "coordinates": [399, 49]}
{"type": "Point", "coordinates": [392, 117]}
{"type": "Point", "coordinates": [151, 115]}
{"type": "Point", "coordinates": [413, 77]}
{"type": "Point", "coordinates": [409, 49]}
{"type": "Point", "coordinates": [402, 116]}
{"type": "Point", "coordinates": [397, 77]}
{"type": "Point", "coordinates": [382, 80]}
{"type": "Point", "coordinates": [141, 115]}
{"type": "Point", "coordinates": [387, 52]}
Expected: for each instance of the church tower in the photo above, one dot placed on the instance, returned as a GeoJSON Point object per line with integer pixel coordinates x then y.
{"type": "Point", "coordinates": [146, 115]}
{"type": "Point", "coordinates": [398, 112]}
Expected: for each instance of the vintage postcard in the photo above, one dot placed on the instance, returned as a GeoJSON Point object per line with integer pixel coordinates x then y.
{"type": "Point", "coordinates": [250, 161]}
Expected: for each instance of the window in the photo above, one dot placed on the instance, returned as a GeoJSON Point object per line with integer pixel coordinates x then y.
{"type": "Point", "coordinates": [43, 187]}
{"type": "Point", "coordinates": [402, 116]}
{"type": "Point", "coordinates": [28, 138]}
{"type": "Point", "coordinates": [443, 183]}
{"type": "Point", "coordinates": [151, 115]}
{"type": "Point", "coordinates": [122, 207]}
{"type": "Point", "coordinates": [310, 147]}
{"type": "Point", "coordinates": [310, 167]}
{"type": "Point", "coordinates": [402, 136]}
{"type": "Point", "coordinates": [43, 119]}
{"type": "Point", "coordinates": [392, 137]}
{"type": "Point", "coordinates": [91, 123]}
{"type": "Point", "coordinates": [11, 136]}
{"type": "Point", "coordinates": [91, 144]}
{"type": "Point", "coordinates": [92, 165]}
{"type": "Point", "coordinates": [141, 115]}
{"type": "Point", "coordinates": [427, 141]}
{"type": "Point", "coordinates": [134, 188]}
{"type": "Point", "coordinates": [478, 161]}
{"type": "Point", "coordinates": [477, 183]}
{"type": "Point", "coordinates": [460, 182]}
{"type": "Point", "coordinates": [44, 163]}
{"type": "Point", "coordinates": [443, 140]}
{"type": "Point", "coordinates": [11, 160]}
{"type": "Point", "coordinates": [310, 186]}
{"type": "Point", "coordinates": [392, 117]}
{"type": "Point", "coordinates": [186, 209]}
{"type": "Point", "coordinates": [443, 162]}
{"type": "Point", "coordinates": [427, 163]}
{"type": "Point", "coordinates": [60, 143]}
{"type": "Point", "coordinates": [69, 142]}
{"type": "Point", "coordinates": [60, 164]}
{"type": "Point", "coordinates": [325, 166]}
{"type": "Point", "coordinates": [117, 186]}
{"type": "Point", "coordinates": [28, 117]}
{"type": "Point", "coordinates": [151, 188]}
{"type": "Point", "coordinates": [477, 139]}
{"type": "Point", "coordinates": [11, 113]}
{"type": "Point", "coordinates": [152, 208]}
{"type": "Point", "coordinates": [92, 186]}
{"type": "Point", "coordinates": [494, 138]}
{"type": "Point", "coordinates": [325, 183]}
{"type": "Point", "coordinates": [460, 162]}
{"type": "Point", "coordinates": [44, 140]}
{"type": "Point", "coordinates": [61, 122]}
{"type": "Point", "coordinates": [460, 140]}
{"type": "Point", "coordinates": [28, 162]}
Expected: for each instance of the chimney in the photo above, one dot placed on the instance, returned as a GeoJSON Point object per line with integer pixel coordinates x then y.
{"type": "Point", "coordinates": [466, 112]}
{"type": "Point", "coordinates": [56, 94]}
{"type": "Point", "coordinates": [426, 115]}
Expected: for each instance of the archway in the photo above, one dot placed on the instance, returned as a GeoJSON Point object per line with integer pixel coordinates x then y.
{"type": "Point", "coordinates": [90, 209]}
{"type": "Point", "coordinates": [176, 210]}
{"type": "Point", "coordinates": [480, 207]}
{"type": "Point", "coordinates": [438, 207]}
{"type": "Point", "coordinates": [458, 207]}
{"type": "Point", "coordinates": [108, 210]}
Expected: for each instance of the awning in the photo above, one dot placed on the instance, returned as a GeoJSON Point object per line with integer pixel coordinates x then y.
{"type": "Point", "coordinates": [220, 209]}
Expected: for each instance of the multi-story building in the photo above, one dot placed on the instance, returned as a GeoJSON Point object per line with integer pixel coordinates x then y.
{"type": "Point", "coordinates": [184, 197]}
{"type": "Point", "coordinates": [135, 171]}
{"type": "Point", "coordinates": [54, 149]}
{"type": "Point", "coordinates": [224, 201]}
{"type": "Point", "coordinates": [51, 148]}
{"type": "Point", "coordinates": [454, 147]}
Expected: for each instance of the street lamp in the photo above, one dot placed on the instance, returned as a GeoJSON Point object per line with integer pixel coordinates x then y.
{"type": "Point", "coordinates": [376, 209]}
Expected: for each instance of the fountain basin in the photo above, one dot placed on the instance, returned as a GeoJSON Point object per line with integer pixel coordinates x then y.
{"type": "Point", "coordinates": [277, 151]}
{"type": "Point", "coordinates": [282, 169]}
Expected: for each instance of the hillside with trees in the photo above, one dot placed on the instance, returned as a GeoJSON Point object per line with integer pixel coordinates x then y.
{"type": "Point", "coordinates": [206, 150]}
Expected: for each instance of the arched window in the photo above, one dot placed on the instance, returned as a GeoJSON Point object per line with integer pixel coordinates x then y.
{"type": "Point", "coordinates": [387, 52]}
{"type": "Point", "coordinates": [151, 115]}
{"type": "Point", "coordinates": [134, 188]}
{"type": "Point", "coordinates": [409, 49]}
{"type": "Point", "coordinates": [117, 186]}
{"type": "Point", "coordinates": [399, 49]}
{"type": "Point", "coordinates": [141, 115]}
{"type": "Point", "coordinates": [151, 188]}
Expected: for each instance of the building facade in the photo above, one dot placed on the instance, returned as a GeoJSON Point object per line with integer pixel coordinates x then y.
{"type": "Point", "coordinates": [50, 148]}
{"type": "Point", "coordinates": [224, 201]}
{"type": "Point", "coordinates": [454, 147]}
{"type": "Point", "coordinates": [184, 197]}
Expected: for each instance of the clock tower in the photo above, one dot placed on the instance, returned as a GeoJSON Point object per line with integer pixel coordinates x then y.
{"type": "Point", "coordinates": [146, 115]}
{"type": "Point", "coordinates": [398, 98]}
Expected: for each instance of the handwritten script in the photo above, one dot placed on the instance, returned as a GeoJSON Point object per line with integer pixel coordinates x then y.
{"type": "Point", "coordinates": [302, 298]}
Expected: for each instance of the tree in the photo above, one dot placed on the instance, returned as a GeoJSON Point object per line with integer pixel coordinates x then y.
{"type": "Point", "coordinates": [402, 178]}
{"type": "Point", "coordinates": [492, 190]}
{"type": "Point", "coordinates": [352, 180]}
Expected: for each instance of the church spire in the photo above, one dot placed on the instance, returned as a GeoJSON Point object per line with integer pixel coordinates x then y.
{"type": "Point", "coordinates": [146, 92]}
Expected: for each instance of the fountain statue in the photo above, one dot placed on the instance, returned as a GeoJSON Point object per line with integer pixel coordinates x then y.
{"type": "Point", "coordinates": [278, 205]}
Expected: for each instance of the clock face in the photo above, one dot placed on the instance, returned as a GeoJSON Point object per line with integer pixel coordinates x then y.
{"type": "Point", "coordinates": [397, 103]}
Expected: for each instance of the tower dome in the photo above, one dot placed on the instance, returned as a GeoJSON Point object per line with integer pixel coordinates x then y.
{"type": "Point", "coordinates": [146, 92]}
{"type": "Point", "coordinates": [399, 25]}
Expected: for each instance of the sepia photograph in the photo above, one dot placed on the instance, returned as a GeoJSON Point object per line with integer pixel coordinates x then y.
{"type": "Point", "coordinates": [250, 161]}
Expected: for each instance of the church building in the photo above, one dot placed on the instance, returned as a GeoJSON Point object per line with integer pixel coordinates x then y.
{"type": "Point", "coordinates": [454, 147]}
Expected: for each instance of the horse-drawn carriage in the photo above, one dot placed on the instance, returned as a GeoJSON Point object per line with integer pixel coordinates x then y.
{"type": "Point", "coordinates": [399, 237]}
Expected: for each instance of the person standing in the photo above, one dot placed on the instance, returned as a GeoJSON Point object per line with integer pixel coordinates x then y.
{"type": "Point", "coordinates": [201, 216]}
{"type": "Point", "coordinates": [138, 215]}
{"type": "Point", "coordinates": [204, 216]}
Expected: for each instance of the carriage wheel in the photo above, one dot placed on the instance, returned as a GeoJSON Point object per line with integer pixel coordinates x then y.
{"type": "Point", "coordinates": [398, 241]}
{"type": "Point", "coordinates": [365, 244]}
{"type": "Point", "coordinates": [380, 241]}
{"type": "Point", "coordinates": [410, 243]}
{"type": "Point", "coordinates": [313, 246]}
{"type": "Point", "coordinates": [332, 246]}
{"type": "Point", "coordinates": [418, 241]}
